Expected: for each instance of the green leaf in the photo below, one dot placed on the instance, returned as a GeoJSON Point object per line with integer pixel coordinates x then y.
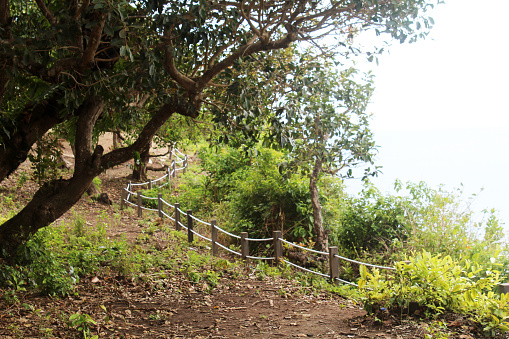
{"type": "Point", "coordinates": [203, 13]}
{"type": "Point", "coordinates": [108, 30]}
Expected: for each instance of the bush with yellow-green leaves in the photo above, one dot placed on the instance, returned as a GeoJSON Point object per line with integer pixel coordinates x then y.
{"type": "Point", "coordinates": [437, 284]}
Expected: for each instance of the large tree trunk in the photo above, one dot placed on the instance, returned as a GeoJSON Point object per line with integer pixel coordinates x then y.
{"type": "Point", "coordinates": [56, 197]}
{"type": "Point", "coordinates": [320, 234]}
{"type": "Point", "coordinates": [51, 201]}
{"type": "Point", "coordinates": [140, 165]}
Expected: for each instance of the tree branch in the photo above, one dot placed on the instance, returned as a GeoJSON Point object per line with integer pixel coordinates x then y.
{"type": "Point", "coordinates": [4, 13]}
{"type": "Point", "coordinates": [246, 50]}
{"type": "Point", "coordinates": [169, 65]}
{"type": "Point", "coordinates": [80, 10]}
{"type": "Point", "coordinates": [93, 43]}
{"type": "Point", "coordinates": [145, 137]}
{"type": "Point", "coordinates": [88, 114]}
{"type": "Point", "coordinates": [248, 19]}
{"type": "Point", "coordinates": [4, 36]}
{"type": "Point", "coordinates": [46, 12]}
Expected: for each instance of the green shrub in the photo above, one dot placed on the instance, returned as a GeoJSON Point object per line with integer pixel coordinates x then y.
{"type": "Point", "coordinates": [436, 284]}
{"type": "Point", "coordinates": [38, 267]}
{"type": "Point", "coordinates": [370, 223]}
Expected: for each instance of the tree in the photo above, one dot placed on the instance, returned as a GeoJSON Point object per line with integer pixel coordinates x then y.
{"type": "Point", "coordinates": [327, 128]}
{"type": "Point", "coordinates": [87, 63]}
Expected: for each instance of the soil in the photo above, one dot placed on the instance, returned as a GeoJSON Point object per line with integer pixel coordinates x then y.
{"type": "Point", "coordinates": [239, 307]}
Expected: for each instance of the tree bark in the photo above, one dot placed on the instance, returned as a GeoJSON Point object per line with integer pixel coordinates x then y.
{"type": "Point", "coordinates": [17, 138]}
{"type": "Point", "coordinates": [5, 17]}
{"type": "Point", "coordinates": [322, 240]}
{"type": "Point", "coordinates": [140, 165]}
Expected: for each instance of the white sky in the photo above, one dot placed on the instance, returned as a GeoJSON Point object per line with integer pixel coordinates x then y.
{"type": "Point", "coordinates": [440, 105]}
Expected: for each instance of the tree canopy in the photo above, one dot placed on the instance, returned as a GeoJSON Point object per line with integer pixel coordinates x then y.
{"type": "Point", "coordinates": [93, 65]}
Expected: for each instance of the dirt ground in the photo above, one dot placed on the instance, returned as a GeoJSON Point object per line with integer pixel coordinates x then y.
{"type": "Point", "coordinates": [243, 307]}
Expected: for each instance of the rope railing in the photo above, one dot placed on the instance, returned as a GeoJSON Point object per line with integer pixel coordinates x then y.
{"type": "Point", "coordinates": [201, 236]}
{"type": "Point", "coordinates": [129, 191]}
{"type": "Point", "coordinates": [159, 179]}
{"type": "Point", "coordinates": [167, 216]}
{"type": "Point", "coordinates": [200, 221]}
{"type": "Point", "coordinates": [365, 264]}
{"type": "Point", "coordinates": [226, 232]}
{"type": "Point", "coordinates": [304, 248]}
{"type": "Point", "coordinates": [259, 258]}
{"type": "Point", "coordinates": [228, 249]}
{"type": "Point", "coordinates": [256, 239]}
{"type": "Point", "coordinates": [183, 226]}
{"type": "Point", "coordinates": [149, 209]}
{"type": "Point", "coordinates": [162, 185]}
{"type": "Point", "coordinates": [277, 238]}
{"type": "Point", "coordinates": [345, 282]}
{"type": "Point", "coordinates": [149, 198]}
{"type": "Point", "coordinates": [139, 184]}
{"type": "Point", "coordinates": [305, 269]}
{"type": "Point", "coordinates": [179, 152]}
{"type": "Point", "coordinates": [130, 203]}
{"type": "Point", "coordinates": [167, 203]}
{"type": "Point", "coordinates": [180, 211]}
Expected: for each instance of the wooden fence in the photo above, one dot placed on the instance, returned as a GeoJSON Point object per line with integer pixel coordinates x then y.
{"type": "Point", "coordinates": [177, 215]}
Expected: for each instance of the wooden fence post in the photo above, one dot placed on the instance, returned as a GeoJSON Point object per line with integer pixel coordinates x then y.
{"type": "Point", "coordinates": [213, 236]}
{"type": "Point", "coordinates": [123, 198]}
{"type": "Point", "coordinates": [149, 184]}
{"type": "Point", "coordinates": [160, 204]}
{"type": "Point", "coordinates": [503, 288]}
{"type": "Point", "coordinates": [184, 164]}
{"type": "Point", "coordinates": [177, 216]}
{"type": "Point", "coordinates": [333, 265]}
{"type": "Point", "coordinates": [140, 210]}
{"type": "Point", "coordinates": [244, 245]}
{"type": "Point", "coordinates": [173, 168]}
{"type": "Point", "coordinates": [190, 234]}
{"type": "Point", "coordinates": [278, 247]}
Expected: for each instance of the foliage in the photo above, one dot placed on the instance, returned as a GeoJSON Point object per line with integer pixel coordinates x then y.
{"type": "Point", "coordinates": [325, 118]}
{"type": "Point", "coordinates": [429, 212]}
{"type": "Point", "coordinates": [45, 159]}
{"type": "Point", "coordinates": [223, 168]}
{"type": "Point", "coordinates": [82, 322]}
{"type": "Point", "coordinates": [248, 186]}
{"type": "Point", "coordinates": [384, 228]}
{"type": "Point", "coordinates": [370, 223]}
{"type": "Point", "coordinates": [437, 284]}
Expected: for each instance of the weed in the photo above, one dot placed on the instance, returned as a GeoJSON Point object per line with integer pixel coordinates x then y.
{"type": "Point", "coordinates": [22, 179]}
{"type": "Point", "coordinates": [437, 330]}
{"type": "Point", "coordinates": [15, 330]}
{"type": "Point", "coordinates": [82, 322]}
{"type": "Point", "coordinates": [156, 316]}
